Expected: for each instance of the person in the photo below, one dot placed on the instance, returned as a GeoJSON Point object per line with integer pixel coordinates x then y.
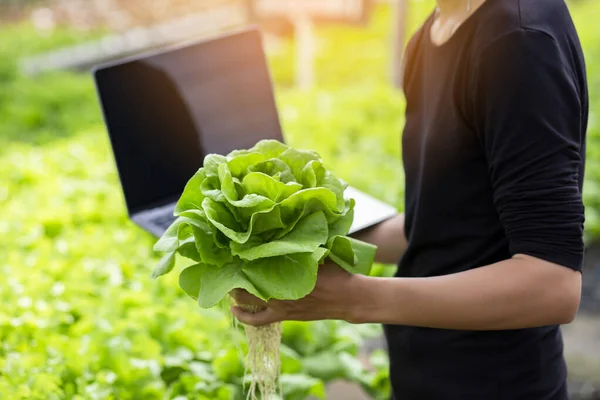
{"type": "Point", "coordinates": [491, 241]}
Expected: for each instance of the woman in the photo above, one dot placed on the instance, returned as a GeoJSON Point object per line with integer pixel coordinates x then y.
{"type": "Point", "coordinates": [491, 243]}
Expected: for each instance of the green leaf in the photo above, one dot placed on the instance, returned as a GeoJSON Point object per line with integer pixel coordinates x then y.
{"type": "Point", "coordinates": [227, 185]}
{"type": "Point", "coordinates": [227, 364]}
{"type": "Point", "coordinates": [264, 185]}
{"type": "Point", "coordinates": [353, 255]}
{"type": "Point", "coordinates": [299, 336]}
{"type": "Point", "coordinates": [272, 276]}
{"type": "Point", "coordinates": [209, 251]}
{"type": "Point", "coordinates": [169, 241]}
{"type": "Point", "coordinates": [176, 235]}
{"type": "Point", "coordinates": [291, 216]}
{"type": "Point", "coordinates": [337, 186]}
{"type": "Point", "coordinates": [179, 357]}
{"type": "Point", "coordinates": [265, 278]}
{"type": "Point", "coordinates": [192, 196]}
{"type": "Point", "coordinates": [379, 359]}
{"type": "Point", "coordinates": [191, 236]}
{"type": "Point", "coordinates": [270, 148]}
{"type": "Point", "coordinates": [276, 168]}
{"type": "Point", "coordinates": [212, 162]}
{"type": "Point", "coordinates": [365, 252]}
{"type": "Point", "coordinates": [196, 218]}
{"type": "Point", "coordinates": [342, 225]}
{"type": "Point", "coordinates": [222, 218]}
{"type": "Point", "coordinates": [300, 386]}
{"type": "Point", "coordinates": [188, 249]}
{"type": "Point", "coordinates": [266, 220]}
{"type": "Point", "coordinates": [203, 371]}
{"type": "Point", "coordinates": [310, 233]}
{"type": "Point", "coordinates": [253, 202]}
{"type": "Point", "coordinates": [211, 188]}
{"type": "Point", "coordinates": [173, 237]}
{"type": "Point", "coordinates": [290, 360]}
{"type": "Point", "coordinates": [325, 365]}
{"type": "Point", "coordinates": [189, 279]}
{"type": "Point", "coordinates": [312, 174]}
{"type": "Point", "coordinates": [209, 284]}
{"type": "Point", "coordinates": [165, 265]}
{"type": "Point", "coordinates": [298, 159]}
{"type": "Point", "coordinates": [353, 368]}
{"type": "Point", "coordinates": [298, 200]}
{"type": "Point", "coordinates": [240, 164]}
{"type": "Point", "coordinates": [342, 253]}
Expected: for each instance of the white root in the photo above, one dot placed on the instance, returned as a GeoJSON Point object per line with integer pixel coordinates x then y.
{"type": "Point", "coordinates": [263, 359]}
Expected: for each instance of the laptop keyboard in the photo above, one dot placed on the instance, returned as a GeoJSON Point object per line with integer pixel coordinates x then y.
{"type": "Point", "coordinates": [164, 221]}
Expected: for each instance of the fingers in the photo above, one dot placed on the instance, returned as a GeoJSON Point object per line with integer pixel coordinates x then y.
{"type": "Point", "coordinates": [260, 318]}
{"type": "Point", "coordinates": [251, 310]}
{"type": "Point", "coordinates": [331, 269]}
{"type": "Point", "coordinates": [242, 297]}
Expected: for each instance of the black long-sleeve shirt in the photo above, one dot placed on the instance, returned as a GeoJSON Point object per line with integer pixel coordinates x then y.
{"type": "Point", "coordinates": [494, 154]}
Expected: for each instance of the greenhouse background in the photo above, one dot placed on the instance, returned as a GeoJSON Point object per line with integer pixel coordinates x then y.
{"type": "Point", "coordinates": [81, 317]}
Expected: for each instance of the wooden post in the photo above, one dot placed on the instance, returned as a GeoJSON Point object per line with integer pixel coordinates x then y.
{"type": "Point", "coordinates": [399, 29]}
{"type": "Point", "coordinates": [305, 43]}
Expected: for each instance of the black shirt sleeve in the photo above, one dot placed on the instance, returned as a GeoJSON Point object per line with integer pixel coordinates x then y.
{"type": "Point", "coordinates": [528, 116]}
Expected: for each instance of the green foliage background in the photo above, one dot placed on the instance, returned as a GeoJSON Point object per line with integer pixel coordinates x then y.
{"type": "Point", "coordinates": [80, 317]}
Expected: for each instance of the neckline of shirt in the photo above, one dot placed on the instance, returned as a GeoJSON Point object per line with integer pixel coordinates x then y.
{"type": "Point", "coordinates": [459, 30]}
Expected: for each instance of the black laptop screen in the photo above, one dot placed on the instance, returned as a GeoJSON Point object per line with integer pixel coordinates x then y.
{"type": "Point", "coordinates": [165, 112]}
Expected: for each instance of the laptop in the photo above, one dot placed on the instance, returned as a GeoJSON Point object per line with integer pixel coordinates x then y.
{"type": "Point", "coordinates": [165, 110]}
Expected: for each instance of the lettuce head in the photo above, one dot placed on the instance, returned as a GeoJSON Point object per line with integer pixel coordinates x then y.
{"type": "Point", "coordinates": [262, 220]}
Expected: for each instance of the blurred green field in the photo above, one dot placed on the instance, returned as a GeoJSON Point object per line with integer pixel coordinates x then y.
{"type": "Point", "coordinates": [81, 318]}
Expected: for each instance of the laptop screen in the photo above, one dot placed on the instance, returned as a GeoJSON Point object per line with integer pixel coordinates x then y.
{"type": "Point", "coordinates": [164, 112]}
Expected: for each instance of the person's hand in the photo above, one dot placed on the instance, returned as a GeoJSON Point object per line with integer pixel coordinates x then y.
{"type": "Point", "coordinates": [332, 298]}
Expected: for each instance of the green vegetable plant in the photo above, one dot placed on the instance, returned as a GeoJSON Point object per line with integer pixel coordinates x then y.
{"type": "Point", "coordinates": [262, 220]}
{"type": "Point", "coordinates": [81, 318]}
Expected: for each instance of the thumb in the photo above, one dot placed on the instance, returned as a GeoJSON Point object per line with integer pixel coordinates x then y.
{"type": "Point", "coordinates": [259, 318]}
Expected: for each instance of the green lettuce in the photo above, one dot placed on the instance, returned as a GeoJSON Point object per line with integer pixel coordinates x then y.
{"type": "Point", "coordinates": [262, 220]}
